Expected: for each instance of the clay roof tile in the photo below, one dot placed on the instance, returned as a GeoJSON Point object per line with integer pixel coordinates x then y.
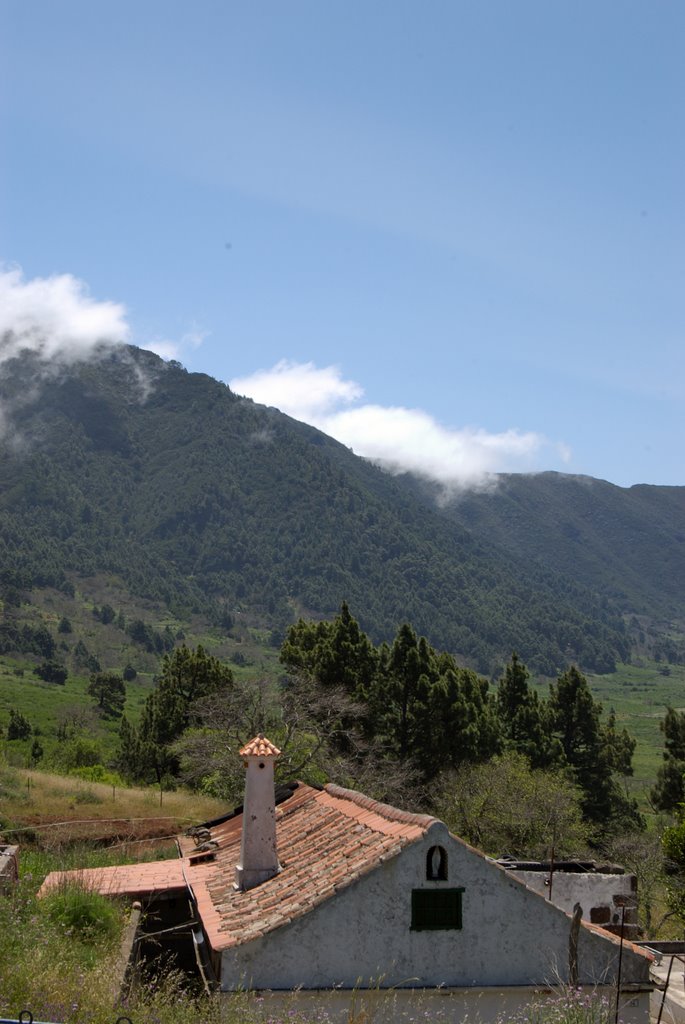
{"type": "Point", "coordinates": [260, 746]}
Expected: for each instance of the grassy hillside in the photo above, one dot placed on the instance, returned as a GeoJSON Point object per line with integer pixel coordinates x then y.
{"type": "Point", "coordinates": [49, 811]}
{"type": "Point", "coordinates": [640, 695]}
{"type": "Point", "coordinates": [60, 713]}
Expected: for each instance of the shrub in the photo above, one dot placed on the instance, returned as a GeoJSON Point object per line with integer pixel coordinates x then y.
{"type": "Point", "coordinates": [98, 773]}
{"type": "Point", "coordinates": [19, 727]}
{"type": "Point", "coordinates": [87, 796]}
{"type": "Point", "coordinates": [83, 912]}
{"type": "Point", "coordinates": [79, 752]}
{"type": "Point", "coordinates": [52, 672]}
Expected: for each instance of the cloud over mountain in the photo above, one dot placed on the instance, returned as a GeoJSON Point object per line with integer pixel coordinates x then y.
{"type": "Point", "coordinates": [395, 437]}
{"type": "Point", "coordinates": [55, 318]}
{"type": "Point", "coordinates": [61, 323]}
{"type": "Point", "coordinates": [58, 320]}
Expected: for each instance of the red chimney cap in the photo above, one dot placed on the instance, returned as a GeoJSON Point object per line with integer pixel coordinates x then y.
{"type": "Point", "coordinates": [260, 746]}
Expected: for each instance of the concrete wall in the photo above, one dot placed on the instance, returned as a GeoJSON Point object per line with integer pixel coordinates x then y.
{"type": "Point", "coordinates": [600, 896]}
{"type": "Point", "coordinates": [361, 937]}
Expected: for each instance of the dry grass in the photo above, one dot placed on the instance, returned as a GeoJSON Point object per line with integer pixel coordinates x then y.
{"type": "Point", "coordinates": [54, 810]}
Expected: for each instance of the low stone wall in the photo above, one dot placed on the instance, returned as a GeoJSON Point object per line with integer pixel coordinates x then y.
{"type": "Point", "coordinates": [9, 866]}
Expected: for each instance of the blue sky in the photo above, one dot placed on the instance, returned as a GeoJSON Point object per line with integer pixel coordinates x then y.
{"type": "Point", "coordinates": [449, 233]}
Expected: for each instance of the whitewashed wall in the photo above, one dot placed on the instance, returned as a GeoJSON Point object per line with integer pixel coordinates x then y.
{"type": "Point", "coordinates": [361, 937]}
{"type": "Point", "coordinates": [598, 894]}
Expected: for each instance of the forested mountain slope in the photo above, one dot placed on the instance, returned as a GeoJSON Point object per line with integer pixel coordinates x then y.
{"type": "Point", "coordinates": [628, 543]}
{"type": "Point", "coordinates": [202, 500]}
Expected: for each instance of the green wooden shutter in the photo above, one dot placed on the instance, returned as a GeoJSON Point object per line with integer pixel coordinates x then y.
{"type": "Point", "coordinates": [434, 909]}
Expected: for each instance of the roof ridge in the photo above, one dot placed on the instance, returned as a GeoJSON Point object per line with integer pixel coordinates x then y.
{"type": "Point", "coordinates": [384, 810]}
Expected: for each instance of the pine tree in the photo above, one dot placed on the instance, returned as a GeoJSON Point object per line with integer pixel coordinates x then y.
{"type": "Point", "coordinates": [334, 653]}
{"type": "Point", "coordinates": [18, 727]}
{"type": "Point", "coordinates": [669, 792]}
{"type": "Point", "coordinates": [108, 690]}
{"type": "Point", "coordinates": [187, 676]}
{"type": "Point", "coordinates": [522, 717]}
{"type": "Point", "coordinates": [593, 752]}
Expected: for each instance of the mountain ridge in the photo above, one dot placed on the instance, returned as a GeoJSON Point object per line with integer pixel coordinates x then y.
{"type": "Point", "coordinates": [212, 504]}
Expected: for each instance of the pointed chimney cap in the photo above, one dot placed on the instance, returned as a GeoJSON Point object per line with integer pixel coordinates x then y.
{"type": "Point", "coordinates": [260, 746]}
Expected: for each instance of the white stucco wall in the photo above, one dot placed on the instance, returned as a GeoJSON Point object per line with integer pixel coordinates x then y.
{"type": "Point", "coordinates": [594, 891]}
{"type": "Point", "coordinates": [361, 937]}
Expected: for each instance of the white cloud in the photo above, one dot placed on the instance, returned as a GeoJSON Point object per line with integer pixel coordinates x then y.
{"type": "Point", "coordinates": [194, 337]}
{"type": "Point", "coordinates": [299, 389]}
{"type": "Point", "coordinates": [163, 348]}
{"type": "Point", "coordinates": [399, 439]}
{"type": "Point", "coordinates": [55, 318]}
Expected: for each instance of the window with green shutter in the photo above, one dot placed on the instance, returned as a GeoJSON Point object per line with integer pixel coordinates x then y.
{"type": "Point", "coordinates": [435, 909]}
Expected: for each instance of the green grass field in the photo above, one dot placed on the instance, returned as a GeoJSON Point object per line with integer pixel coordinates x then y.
{"type": "Point", "coordinates": [640, 695]}
{"type": "Point", "coordinates": [47, 705]}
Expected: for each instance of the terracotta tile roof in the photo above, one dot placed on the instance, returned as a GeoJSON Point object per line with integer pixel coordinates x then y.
{"type": "Point", "coordinates": [260, 746]}
{"type": "Point", "coordinates": [124, 880]}
{"type": "Point", "coordinates": [326, 840]}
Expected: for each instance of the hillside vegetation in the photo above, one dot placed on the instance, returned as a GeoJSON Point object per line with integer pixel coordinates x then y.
{"type": "Point", "coordinates": [176, 492]}
{"type": "Point", "coordinates": [627, 543]}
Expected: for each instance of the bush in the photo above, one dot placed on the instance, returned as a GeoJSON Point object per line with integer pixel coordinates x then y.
{"type": "Point", "coordinates": [83, 912]}
{"type": "Point", "coordinates": [86, 796]}
{"type": "Point", "coordinates": [98, 773]}
{"type": "Point", "coordinates": [52, 672]}
{"type": "Point", "coordinates": [19, 727]}
{"type": "Point", "coordinates": [79, 752]}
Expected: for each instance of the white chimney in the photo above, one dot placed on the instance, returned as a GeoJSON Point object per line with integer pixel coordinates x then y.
{"type": "Point", "coordinates": [258, 855]}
